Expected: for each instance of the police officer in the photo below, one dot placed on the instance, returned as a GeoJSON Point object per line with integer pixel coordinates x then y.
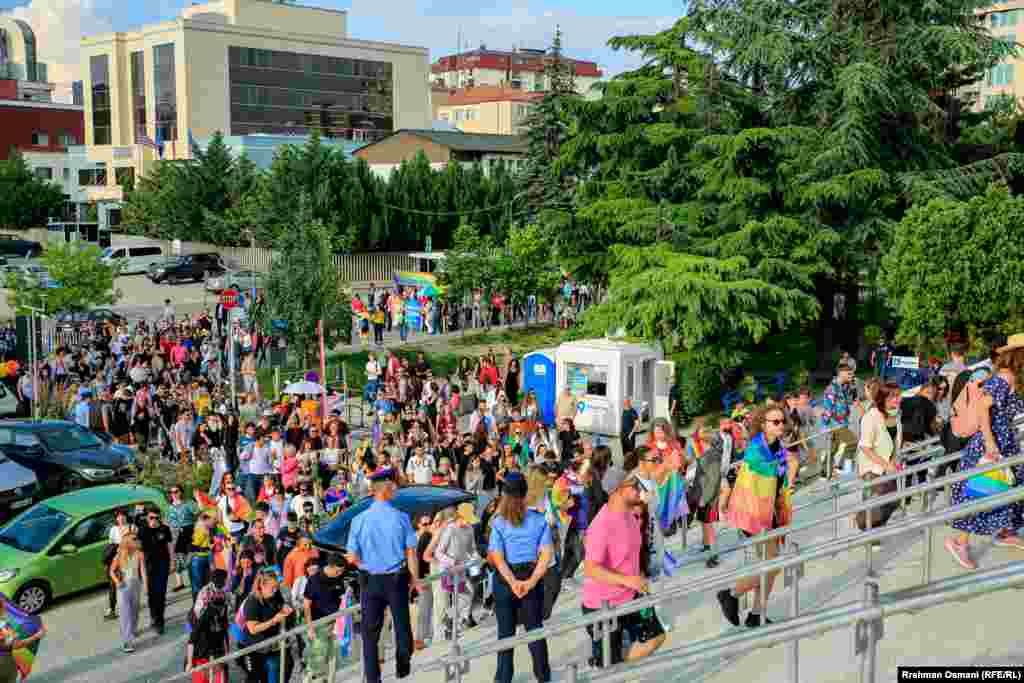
{"type": "Point", "coordinates": [520, 549]}
{"type": "Point", "coordinates": [382, 543]}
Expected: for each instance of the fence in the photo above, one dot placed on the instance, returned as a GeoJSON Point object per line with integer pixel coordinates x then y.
{"type": "Point", "coordinates": [866, 617]}
{"type": "Point", "coordinates": [365, 267]}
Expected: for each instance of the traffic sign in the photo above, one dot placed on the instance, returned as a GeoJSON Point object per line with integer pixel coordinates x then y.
{"type": "Point", "coordinates": [229, 298]}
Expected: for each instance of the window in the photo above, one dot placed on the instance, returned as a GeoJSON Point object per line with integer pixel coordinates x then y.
{"type": "Point", "coordinates": [444, 116]}
{"type": "Point", "coordinates": [96, 177]}
{"type": "Point", "coordinates": [35, 529]}
{"type": "Point", "coordinates": [67, 139]}
{"type": "Point", "coordinates": [165, 87]}
{"type": "Point", "coordinates": [99, 74]}
{"type": "Point", "coordinates": [630, 380]}
{"type": "Point", "coordinates": [66, 174]}
{"type": "Point", "coordinates": [40, 139]}
{"type": "Point", "coordinates": [124, 176]}
{"type": "Point", "coordinates": [586, 379]}
{"type": "Point", "coordinates": [278, 92]}
{"type": "Point", "coordinates": [138, 69]}
{"type": "Point", "coordinates": [91, 530]}
{"type": "Point", "coordinates": [44, 172]}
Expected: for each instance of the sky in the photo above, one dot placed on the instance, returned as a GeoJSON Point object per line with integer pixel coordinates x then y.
{"type": "Point", "coordinates": [586, 24]}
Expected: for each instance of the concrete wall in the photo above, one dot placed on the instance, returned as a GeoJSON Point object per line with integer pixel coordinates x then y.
{"type": "Point", "coordinates": [288, 18]}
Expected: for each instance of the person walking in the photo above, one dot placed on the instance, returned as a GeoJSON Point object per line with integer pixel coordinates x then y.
{"type": "Point", "coordinates": [128, 572]}
{"type": "Point", "coordinates": [520, 550]}
{"type": "Point", "coordinates": [9, 642]}
{"type": "Point", "coordinates": [208, 637]}
{"type": "Point", "coordinates": [612, 575]}
{"type": "Point", "coordinates": [181, 518]}
{"type": "Point", "coordinates": [158, 549]}
{"type": "Point", "coordinates": [382, 543]}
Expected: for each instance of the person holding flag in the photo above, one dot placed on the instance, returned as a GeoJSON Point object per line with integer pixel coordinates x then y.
{"type": "Point", "coordinates": [20, 634]}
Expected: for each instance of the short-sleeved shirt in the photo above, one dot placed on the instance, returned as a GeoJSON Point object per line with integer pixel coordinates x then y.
{"type": "Point", "coordinates": [259, 611]}
{"type": "Point", "coordinates": [156, 544]}
{"type": "Point", "coordinates": [324, 593]}
{"type": "Point", "coordinates": [379, 538]}
{"type": "Point", "coordinates": [520, 544]}
{"type": "Point", "coordinates": [613, 542]}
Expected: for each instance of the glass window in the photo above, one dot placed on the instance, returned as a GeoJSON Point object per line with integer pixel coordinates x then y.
{"type": "Point", "coordinates": [138, 68]}
{"type": "Point", "coordinates": [40, 139]}
{"type": "Point", "coordinates": [95, 529]}
{"type": "Point", "coordinates": [165, 87]}
{"type": "Point", "coordinates": [35, 529]}
{"type": "Point", "coordinates": [124, 176]}
{"type": "Point", "coordinates": [99, 74]}
{"type": "Point", "coordinates": [44, 172]}
{"type": "Point", "coordinates": [587, 379]}
{"type": "Point", "coordinates": [69, 438]}
{"type": "Point", "coordinates": [630, 380]}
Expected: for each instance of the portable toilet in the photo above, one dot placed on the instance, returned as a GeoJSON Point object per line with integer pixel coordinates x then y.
{"type": "Point", "coordinates": [539, 377]}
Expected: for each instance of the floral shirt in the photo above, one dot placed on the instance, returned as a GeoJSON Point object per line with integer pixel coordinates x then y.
{"type": "Point", "coordinates": [838, 402]}
{"type": "Point", "coordinates": [181, 515]}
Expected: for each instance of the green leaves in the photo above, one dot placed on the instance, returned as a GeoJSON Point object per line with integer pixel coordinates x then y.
{"type": "Point", "coordinates": [85, 281]}
{"type": "Point", "coordinates": [25, 200]}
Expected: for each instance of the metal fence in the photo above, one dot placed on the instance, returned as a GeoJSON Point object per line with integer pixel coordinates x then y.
{"type": "Point", "coordinates": [865, 616]}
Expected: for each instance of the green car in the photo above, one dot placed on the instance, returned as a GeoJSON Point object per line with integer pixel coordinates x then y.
{"type": "Point", "coordinates": [55, 548]}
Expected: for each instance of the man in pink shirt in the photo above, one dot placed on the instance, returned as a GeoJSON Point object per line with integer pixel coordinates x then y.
{"type": "Point", "coordinates": [611, 573]}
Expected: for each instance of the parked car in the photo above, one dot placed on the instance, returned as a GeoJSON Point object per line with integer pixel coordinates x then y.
{"type": "Point", "coordinates": [133, 260]}
{"type": "Point", "coordinates": [8, 401]}
{"type": "Point", "coordinates": [242, 280]}
{"type": "Point", "coordinates": [19, 487]}
{"type": "Point", "coordinates": [195, 267]}
{"type": "Point", "coordinates": [12, 245]}
{"type": "Point", "coordinates": [55, 548]}
{"type": "Point", "coordinates": [96, 315]}
{"type": "Point", "coordinates": [64, 455]}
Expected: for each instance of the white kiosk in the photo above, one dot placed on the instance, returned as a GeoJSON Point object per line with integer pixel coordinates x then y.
{"type": "Point", "coordinates": [601, 373]}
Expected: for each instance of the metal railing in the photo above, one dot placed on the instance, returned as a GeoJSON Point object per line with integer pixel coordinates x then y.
{"type": "Point", "coordinates": [456, 663]}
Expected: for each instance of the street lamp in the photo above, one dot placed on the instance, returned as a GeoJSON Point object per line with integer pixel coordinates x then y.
{"type": "Point", "coordinates": [32, 352]}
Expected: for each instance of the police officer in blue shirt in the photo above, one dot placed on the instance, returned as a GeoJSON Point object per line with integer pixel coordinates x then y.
{"type": "Point", "coordinates": [382, 543]}
{"type": "Point", "coordinates": [520, 550]}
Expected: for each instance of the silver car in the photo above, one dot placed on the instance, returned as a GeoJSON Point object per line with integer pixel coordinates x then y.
{"type": "Point", "coordinates": [18, 487]}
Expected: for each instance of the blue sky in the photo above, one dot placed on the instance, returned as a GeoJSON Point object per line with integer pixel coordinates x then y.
{"type": "Point", "coordinates": [586, 24]}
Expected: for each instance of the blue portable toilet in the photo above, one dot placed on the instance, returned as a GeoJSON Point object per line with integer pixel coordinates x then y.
{"type": "Point", "coordinates": [539, 377]}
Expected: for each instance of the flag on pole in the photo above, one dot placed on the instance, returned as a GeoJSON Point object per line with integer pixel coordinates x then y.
{"type": "Point", "coordinates": [24, 626]}
{"type": "Point", "coordinates": [146, 141]}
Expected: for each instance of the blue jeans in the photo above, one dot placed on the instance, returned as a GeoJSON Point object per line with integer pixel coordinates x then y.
{"type": "Point", "coordinates": [198, 573]}
{"type": "Point", "coordinates": [403, 330]}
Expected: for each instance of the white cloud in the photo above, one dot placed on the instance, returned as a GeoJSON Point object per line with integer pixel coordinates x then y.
{"type": "Point", "coordinates": [59, 26]}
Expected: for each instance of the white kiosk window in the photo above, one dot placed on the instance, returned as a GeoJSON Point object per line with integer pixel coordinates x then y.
{"type": "Point", "coordinates": [630, 381]}
{"type": "Point", "coordinates": [587, 379]}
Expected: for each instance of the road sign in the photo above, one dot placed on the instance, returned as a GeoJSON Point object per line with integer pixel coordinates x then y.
{"type": "Point", "coordinates": [229, 298]}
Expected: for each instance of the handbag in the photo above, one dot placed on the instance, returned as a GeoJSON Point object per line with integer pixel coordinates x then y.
{"type": "Point", "coordinates": [109, 553]}
{"type": "Point", "coordinates": [989, 483]}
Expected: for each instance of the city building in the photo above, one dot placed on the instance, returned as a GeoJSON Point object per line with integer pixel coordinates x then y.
{"type": "Point", "coordinates": [517, 69]}
{"type": "Point", "coordinates": [497, 110]}
{"type": "Point", "coordinates": [31, 124]}
{"type": "Point", "coordinates": [241, 67]}
{"type": "Point", "coordinates": [442, 147]}
{"type": "Point", "coordinates": [261, 148]}
{"type": "Point", "coordinates": [1004, 20]}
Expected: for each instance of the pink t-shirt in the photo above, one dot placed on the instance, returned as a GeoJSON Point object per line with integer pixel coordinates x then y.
{"type": "Point", "coordinates": [612, 541]}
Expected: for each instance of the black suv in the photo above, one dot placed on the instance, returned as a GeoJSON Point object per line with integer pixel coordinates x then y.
{"type": "Point", "coordinates": [63, 455]}
{"type": "Point", "coordinates": [11, 245]}
{"type": "Point", "coordinates": [195, 267]}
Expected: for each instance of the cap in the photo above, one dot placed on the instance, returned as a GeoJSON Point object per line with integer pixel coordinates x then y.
{"type": "Point", "coordinates": [383, 474]}
{"type": "Point", "coordinates": [515, 485]}
{"type": "Point", "coordinates": [467, 514]}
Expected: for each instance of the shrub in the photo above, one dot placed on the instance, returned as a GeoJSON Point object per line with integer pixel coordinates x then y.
{"type": "Point", "coordinates": [697, 379]}
{"type": "Point", "coordinates": [162, 475]}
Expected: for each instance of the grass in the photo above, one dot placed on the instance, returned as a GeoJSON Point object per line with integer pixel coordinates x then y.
{"type": "Point", "coordinates": [443, 356]}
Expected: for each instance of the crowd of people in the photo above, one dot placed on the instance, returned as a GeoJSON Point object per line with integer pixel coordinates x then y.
{"type": "Point", "coordinates": [549, 506]}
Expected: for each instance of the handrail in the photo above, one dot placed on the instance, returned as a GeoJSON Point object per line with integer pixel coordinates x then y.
{"type": "Point", "coordinates": [301, 629]}
{"type": "Point", "coordinates": [728, 577]}
{"type": "Point", "coordinates": [959, 588]}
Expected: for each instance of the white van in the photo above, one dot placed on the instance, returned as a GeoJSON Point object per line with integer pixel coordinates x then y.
{"type": "Point", "coordinates": [133, 259]}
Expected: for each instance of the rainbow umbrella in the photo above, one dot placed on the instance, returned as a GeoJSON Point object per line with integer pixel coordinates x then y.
{"type": "Point", "coordinates": [24, 626]}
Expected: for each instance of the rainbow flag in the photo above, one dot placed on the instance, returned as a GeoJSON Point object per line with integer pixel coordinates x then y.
{"type": "Point", "coordinates": [752, 506]}
{"type": "Point", "coordinates": [672, 501]}
{"type": "Point", "coordinates": [408, 278]}
{"type": "Point", "coordinates": [24, 626]}
{"type": "Point", "coordinates": [988, 484]}
{"type": "Point", "coordinates": [334, 497]}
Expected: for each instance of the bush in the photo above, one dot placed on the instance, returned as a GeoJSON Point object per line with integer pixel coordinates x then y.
{"type": "Point", "coordinates": [697, 378]}
{"type": "Point", "coordinates": [162, 475]}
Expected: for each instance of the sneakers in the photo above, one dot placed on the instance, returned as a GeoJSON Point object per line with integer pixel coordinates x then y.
{"type": "Point", "coordinates": [730, 606]}
{"type": "Point", "coordinates": [754, 620]}
{"type": "Point", "coordinates": [960, 554]}
{"type": "Point", "coordinates": [420, 645]}
{"type": "Point", "coordinates": [712, 562]}
{"type": "Point", "coordinates": [128, 648]}
{"type": "Point", "coordinates": [109, 615]}
{"type": "Point", "coordinates": [469, 622]}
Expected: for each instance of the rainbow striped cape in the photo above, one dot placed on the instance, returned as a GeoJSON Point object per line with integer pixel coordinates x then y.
{"type": "Point", "coordinates": [753, 506]}
{"type": "Point", "coordinates": [24, 626]}
{"type": "Point", "coordinates": [672, 501]}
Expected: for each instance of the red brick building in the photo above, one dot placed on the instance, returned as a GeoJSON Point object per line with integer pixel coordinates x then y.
{"type": "Point", "coordinates": [32, 126]}
{"type": "Point", "coordinates": [520, 69]}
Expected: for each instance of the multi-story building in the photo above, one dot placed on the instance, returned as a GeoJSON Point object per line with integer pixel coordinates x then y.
{"type": "Point", "coordinates": [1004, 20]}
{"type": "Point", "coordinates": [241, 67]}
{"type": "Point", "coordinates": [489, 109]}
{"type": "Point", "coordinates": [517, 69]}
{"type": "Point", "coordinates": [31, 124]}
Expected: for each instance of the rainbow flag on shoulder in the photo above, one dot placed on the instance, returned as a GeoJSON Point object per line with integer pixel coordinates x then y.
{"type": "Point", "coordinates": [24, 626]}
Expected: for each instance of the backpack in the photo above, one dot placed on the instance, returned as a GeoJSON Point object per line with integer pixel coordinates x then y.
{"type": "Point", "coordinates": [964, 420]}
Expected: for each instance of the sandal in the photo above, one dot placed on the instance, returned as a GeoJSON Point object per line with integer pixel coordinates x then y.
{"type": "Point", "coordinates": [960, 554]}
{"type": "Point", "coordinates": [1008, 541]}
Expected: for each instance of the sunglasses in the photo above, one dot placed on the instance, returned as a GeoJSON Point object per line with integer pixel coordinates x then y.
{"type": "Point", "coordinates": [775, 422]}
{"type": "Point", "coordinates": [153, 518]}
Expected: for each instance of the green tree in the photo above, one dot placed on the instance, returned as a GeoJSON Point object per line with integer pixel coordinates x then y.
{"type": "Point", "coordinates": [957, 264]}
{"type": "Point", "coordinates": [84, 282]}
{"type": "Point", "coordinates": [25, 199]}
{"type": "Point", "coordinates": [303, 288]}
{"type": "Point", "coordinates": [469, 264]}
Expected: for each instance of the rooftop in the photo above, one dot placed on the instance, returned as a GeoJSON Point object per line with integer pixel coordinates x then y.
{"type": "Point", "coordinates": [465, 142]}
{"type": "Point", "coordinates": [483, 93]}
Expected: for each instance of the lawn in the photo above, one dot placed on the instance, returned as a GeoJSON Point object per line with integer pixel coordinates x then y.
{"type": "Point", "coordinates": [443, 356]}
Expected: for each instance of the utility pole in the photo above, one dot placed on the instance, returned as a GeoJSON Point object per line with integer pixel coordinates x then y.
{"type": "Point", "coordinates": [32, 354]}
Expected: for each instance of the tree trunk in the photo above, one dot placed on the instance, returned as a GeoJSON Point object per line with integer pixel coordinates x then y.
{"type": "Point", "coordinates": [825, 291]}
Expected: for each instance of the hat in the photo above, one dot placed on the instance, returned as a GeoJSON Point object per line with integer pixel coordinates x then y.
{"type": "Point", "coordinates": [384, 474]}
{"type": "Point", "coordinates": [515, 485]}
{"type": "Point", "coordinates": [467, 514]}
{"type": "Point", "coordinates": [1014, 341]}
